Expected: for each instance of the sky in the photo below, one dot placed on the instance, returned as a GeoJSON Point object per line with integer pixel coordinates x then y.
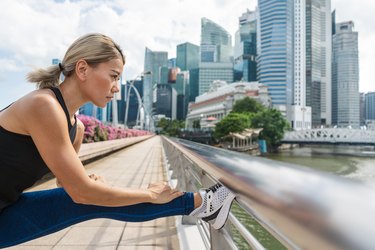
{"type": "Point", "coordinates": [32, 32]}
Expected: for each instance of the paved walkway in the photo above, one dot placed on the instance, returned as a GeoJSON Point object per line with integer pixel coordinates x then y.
{"type": "Point", "coordinates": [136, 166]}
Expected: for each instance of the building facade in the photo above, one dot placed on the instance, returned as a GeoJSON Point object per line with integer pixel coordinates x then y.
{"type": "Point", "coordinates": [154, 61]}
{"type": "Point", "coordinates": [212, 106]}
{"type": "Point", "coordinates": [245, 48]}
{"type": "Point", "coordinates": [187, 56]}
{"type": "Point", "coordinates": [345, 76]}
{"type": "Point", "coordinates": [370, 106]}
{"type": "Point", "coordinates": [166, 104]}
{"type": "Point", "coordinates": [318, 60]}
{"type": "Point", "coordinates": [210, 72]}
{"type": "Point", "coordinates": [275, 50]}
{"type": "Point", "coordinates": [188, 60]}
{"type": "Point", "coordinates": [216, 54]}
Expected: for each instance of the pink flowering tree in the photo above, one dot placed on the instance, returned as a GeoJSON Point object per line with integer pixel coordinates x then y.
{"type": "Point", "coordinates": [96, 131]}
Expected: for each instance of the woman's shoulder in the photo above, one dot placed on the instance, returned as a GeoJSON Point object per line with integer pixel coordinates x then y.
{"type": "Point", "coordinates": [38, 105]}
{"type": "Point", "coordinates": [38, 100]}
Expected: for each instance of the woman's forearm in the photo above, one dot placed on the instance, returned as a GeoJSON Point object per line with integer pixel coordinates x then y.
{"type": "Point", "coordinates": [101, 194]}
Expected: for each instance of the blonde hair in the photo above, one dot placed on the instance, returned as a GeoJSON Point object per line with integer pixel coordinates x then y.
{"type": "Point", "coordinates": [94, 48]}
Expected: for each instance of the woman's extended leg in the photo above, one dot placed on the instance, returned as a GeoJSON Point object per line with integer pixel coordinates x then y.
{"type": "Point", "coordinates": [41, 213]}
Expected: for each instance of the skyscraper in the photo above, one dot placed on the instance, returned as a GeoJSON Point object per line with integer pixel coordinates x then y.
{"type": "Point", "coordinates": [187, 56]}
{"type": "Point", "coordinates": [216, 42]}
{"type": "Point", "coordinates": [370, 106]}
{"type": "Point", "coordinates": [188, 60]}
{"type": "Point", "coordinates": [345, 76]}
{"type": "Point", "coordinates": [275, 50]}
{"type": "Point", "coordinates": [318, 60]}
{"type": "Point", "coordinates": [245, 48]}
{"type": "Point", "coordinates": [216, 55]}
{"type": "Point", "coordinates": [154, 61]}
{"type": "Point", "coordinates": [298, 113]}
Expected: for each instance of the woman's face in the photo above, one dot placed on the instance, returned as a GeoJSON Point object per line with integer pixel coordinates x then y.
{"type": "Point", "coordinates": [104, 81]}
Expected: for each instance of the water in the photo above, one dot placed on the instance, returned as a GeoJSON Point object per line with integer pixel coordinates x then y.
{"type": "Point", "coordinates": [357, 163]}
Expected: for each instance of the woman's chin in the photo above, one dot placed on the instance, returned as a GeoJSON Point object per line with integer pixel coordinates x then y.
{"type": "Point", "coordinates": [101, 105]}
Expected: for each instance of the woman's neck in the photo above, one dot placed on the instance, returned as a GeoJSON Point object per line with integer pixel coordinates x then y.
{"type": "Point", "coordinates": [72, 96]}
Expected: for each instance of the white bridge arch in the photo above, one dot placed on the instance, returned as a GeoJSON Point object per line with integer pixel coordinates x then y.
{"type": "Point", "coordinates": [331, 136]}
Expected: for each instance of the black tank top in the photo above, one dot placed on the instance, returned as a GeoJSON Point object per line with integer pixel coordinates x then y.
{"type": "Point", "coordinates": [20, 162]}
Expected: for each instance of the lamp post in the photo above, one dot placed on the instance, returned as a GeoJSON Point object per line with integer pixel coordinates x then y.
{"type": "Point", "coordinates": [138, 96]}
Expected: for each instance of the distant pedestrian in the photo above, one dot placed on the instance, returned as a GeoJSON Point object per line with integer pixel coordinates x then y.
{"type": "Point", "coordinates": [39, 133]}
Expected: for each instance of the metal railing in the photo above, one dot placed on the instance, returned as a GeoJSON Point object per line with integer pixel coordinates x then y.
{"type": "Point", "coordinates": [300, 207]}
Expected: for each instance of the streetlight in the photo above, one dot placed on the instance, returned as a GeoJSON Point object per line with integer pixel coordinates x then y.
{"type": "Point", "coordinates": [138, 96]}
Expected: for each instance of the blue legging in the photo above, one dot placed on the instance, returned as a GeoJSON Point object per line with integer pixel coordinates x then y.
{"type": "Point", "coordinates": [41, 213]}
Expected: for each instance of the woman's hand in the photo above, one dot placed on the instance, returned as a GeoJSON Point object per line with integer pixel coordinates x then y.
{"type": "Point", "coordinates": [161, 192]}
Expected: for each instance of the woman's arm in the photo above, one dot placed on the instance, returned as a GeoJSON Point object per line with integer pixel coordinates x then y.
{"type": "Point", "coordinates": [47, 125]}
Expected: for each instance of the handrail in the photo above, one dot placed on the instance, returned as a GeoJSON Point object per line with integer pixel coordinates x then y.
{"type": "Point", "coordinates": [94, 150]}
{"type": "Point", "coordinates": [301, 207]}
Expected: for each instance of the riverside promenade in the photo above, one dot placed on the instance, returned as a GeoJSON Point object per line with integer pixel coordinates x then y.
{"type": "Point", "coordinates": [135, 166]}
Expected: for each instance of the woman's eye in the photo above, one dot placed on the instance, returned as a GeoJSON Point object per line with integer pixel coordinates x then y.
{"type": "Point", "coordinates": [114, 77]}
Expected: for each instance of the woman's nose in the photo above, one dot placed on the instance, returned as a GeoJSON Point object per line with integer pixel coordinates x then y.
{"type": "Point", "coordinates": [116, 87]}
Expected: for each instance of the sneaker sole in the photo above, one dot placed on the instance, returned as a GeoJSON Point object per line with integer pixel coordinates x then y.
{"type": "Point", "coordinates": [222, 217]}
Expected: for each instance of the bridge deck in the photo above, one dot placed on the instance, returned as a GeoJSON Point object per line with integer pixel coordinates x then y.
{"type": "Point", "coordinates": [135, 166]}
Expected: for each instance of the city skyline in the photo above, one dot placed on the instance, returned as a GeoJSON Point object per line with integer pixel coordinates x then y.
{"type": "Point", "coordinates": [34, 32]}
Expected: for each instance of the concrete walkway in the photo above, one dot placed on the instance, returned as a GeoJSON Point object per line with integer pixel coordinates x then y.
{"type": "Point", "coordinates": [135, 166]}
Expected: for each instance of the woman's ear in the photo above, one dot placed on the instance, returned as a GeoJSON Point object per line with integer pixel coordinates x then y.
{"type": "Point", "coordinates": [82, 69]}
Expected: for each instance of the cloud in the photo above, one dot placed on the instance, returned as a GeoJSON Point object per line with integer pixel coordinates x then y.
{"type": "Point", "coordinates": [35, 31]}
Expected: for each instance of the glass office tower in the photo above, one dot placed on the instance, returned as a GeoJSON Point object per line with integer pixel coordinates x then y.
{"type": "Point", "coordinates": [275, 50]}
{"type": "Point", "coordinates": [345, 76]}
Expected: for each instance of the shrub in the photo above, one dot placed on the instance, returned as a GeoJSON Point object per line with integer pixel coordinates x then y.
{"type": "Point", "coordinates": [96, 131]}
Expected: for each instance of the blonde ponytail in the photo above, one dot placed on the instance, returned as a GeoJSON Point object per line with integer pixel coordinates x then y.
{"type": "Point", "coordinates": [95, 48]}
{"type": "Point", "coordinates": [45, 78]}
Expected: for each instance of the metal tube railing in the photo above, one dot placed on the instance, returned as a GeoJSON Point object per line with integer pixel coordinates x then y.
{"type": "Point", "coordinates": [303, 208]}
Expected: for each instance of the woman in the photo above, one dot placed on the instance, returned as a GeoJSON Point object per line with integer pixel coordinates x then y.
{"type": "Point", "coordinates": [39, 133]}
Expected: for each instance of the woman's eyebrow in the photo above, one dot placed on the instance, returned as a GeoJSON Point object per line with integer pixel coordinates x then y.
{"type": "Point", "coordinates": [116, 71]}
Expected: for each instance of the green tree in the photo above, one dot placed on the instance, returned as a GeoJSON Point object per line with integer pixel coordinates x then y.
{"type": "Point", "coordinates": [169, 127]}
{"type": "Point", "coordinates": [274, 126]}
{"type": "Point", "coordinates": [164, 125]}
{"type": "Point", "coordinates": [234, 122]}
{"type": "Point", "coordinates": [247, 105]}
{"type": "Point", "coordinates": [175, 127]}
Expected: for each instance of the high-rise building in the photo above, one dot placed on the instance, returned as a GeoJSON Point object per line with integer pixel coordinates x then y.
{"type": "Point", "coordinates": [245, 48]}
{"type": "Point", "coordinates": [216, 55]}
{"type": "Point", "coordinates": [370, 106]}
{"type": "Point", "coordinates": [210, 72]}
{"type": "Point", "coordinates": [182, 89]}
{"type": "Point", "coordinates": [318, 60]}
{"type": "Point", "coordinates": [188, 60]}
{"type": "Point", "coordinates": [193, 84]}
{"type": "Point", "coordinates": [362, 109]}
{"type": "Point", "coordinates": [345, 76]}
{"type": "Point", "coordinates": [154, 61]}
{"type": "Point", "coordinates": [187, 56]}
{"type": "Point", "coordinates": [133, 110]}
{"type": "Point", "coordinates": [275, 50]}
{"type": "Point", "coordinates": [216, 42]}
{"type": "Point", "coordinates": [172, 63]}
{"type": "Point", "coordinates": [166, 103]}
{"type": "Point", "coordinates": [298, 114]}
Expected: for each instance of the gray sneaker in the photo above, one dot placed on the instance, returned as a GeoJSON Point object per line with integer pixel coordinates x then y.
{"type": "Point", "coordinates": [216, 203]}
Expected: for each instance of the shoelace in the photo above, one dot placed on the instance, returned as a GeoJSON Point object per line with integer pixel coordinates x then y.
{"type": "Point", "coordinates": [214, 187]}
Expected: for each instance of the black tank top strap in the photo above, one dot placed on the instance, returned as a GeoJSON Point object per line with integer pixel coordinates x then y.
{"type": "Point", "coordinates": [72, 128]}
{"type": "Point", "coordinates": [7, 107]}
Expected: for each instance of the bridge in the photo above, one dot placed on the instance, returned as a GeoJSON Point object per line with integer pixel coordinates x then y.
{"type": "Point", "coordinates": [297, 207]}
{"type": "Point", "coordinates": [331, 136]}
